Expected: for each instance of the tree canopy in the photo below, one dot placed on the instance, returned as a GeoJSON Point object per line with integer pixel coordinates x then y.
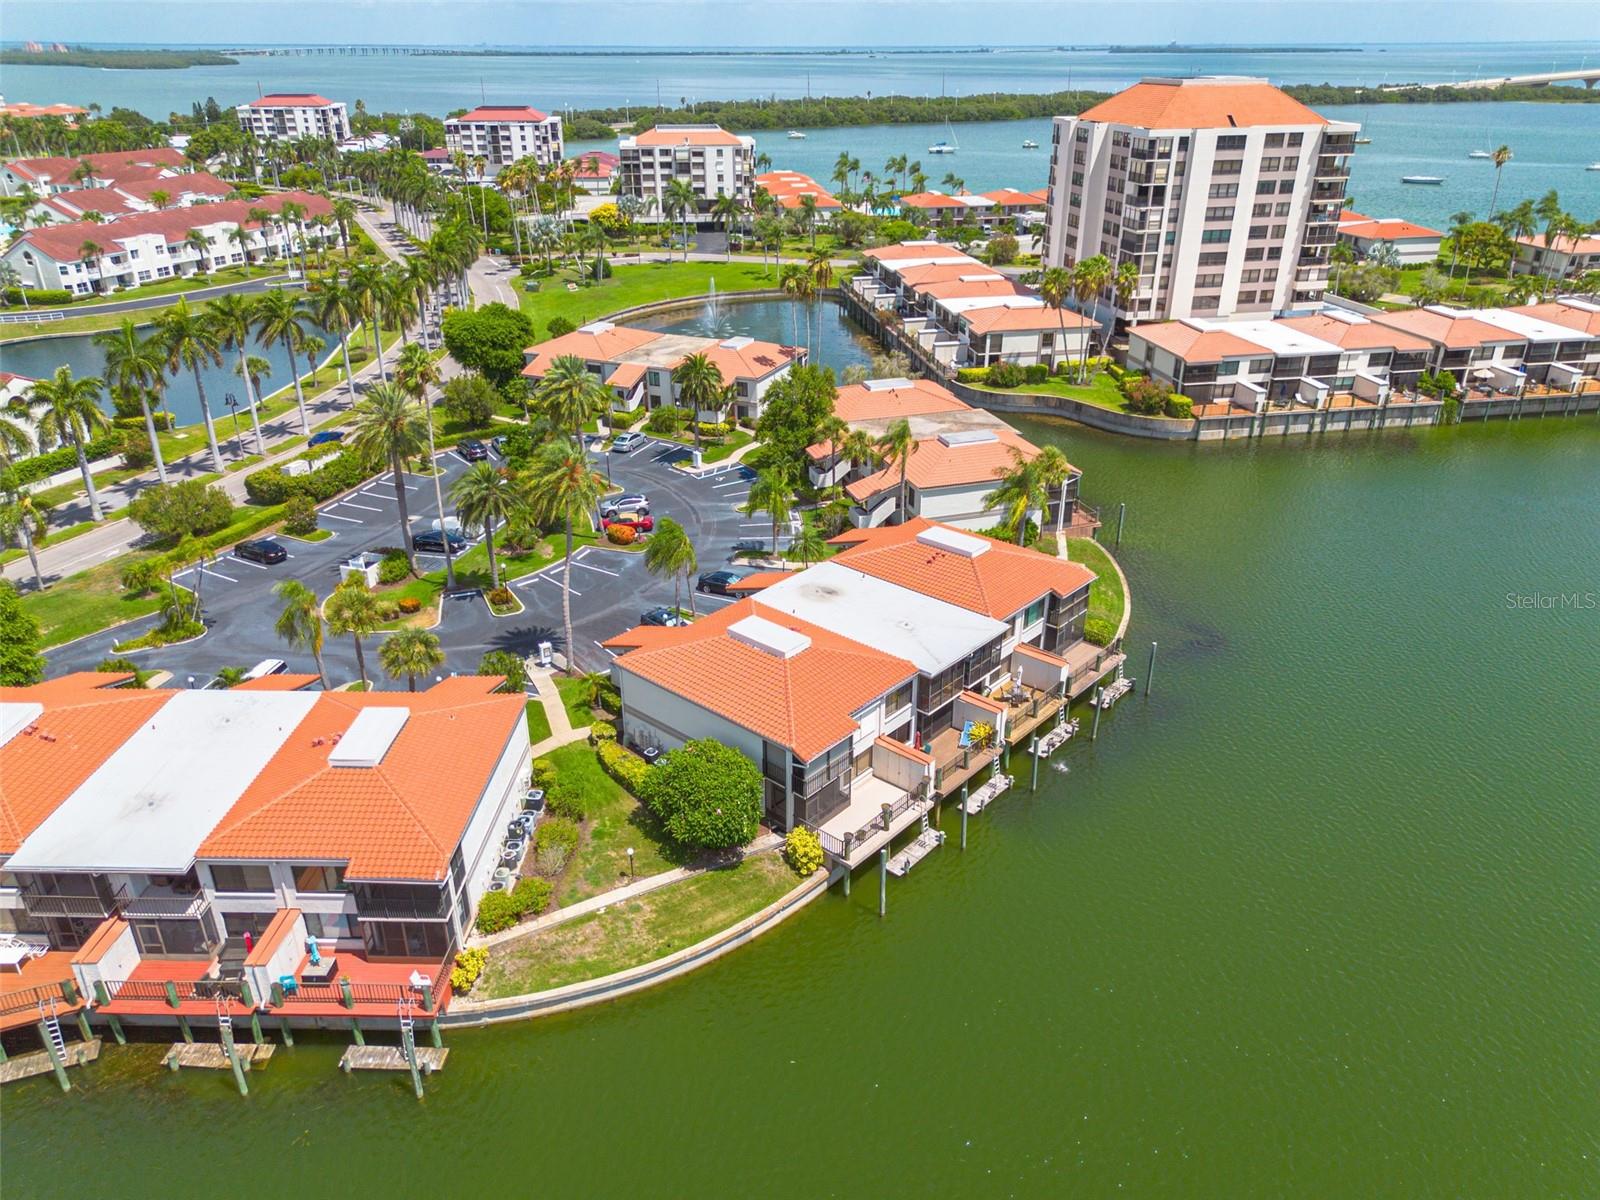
{"type": "Point", "coordinates": [706, 794]}
{"type": "Point", "coordinates": [489, 340]}
{"type": "Point", "coordinates": [20, 660]}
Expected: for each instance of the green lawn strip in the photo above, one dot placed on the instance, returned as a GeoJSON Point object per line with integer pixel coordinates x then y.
{"type": "Point", "coordinates": [538, 722]}
{"type": "Point", "coordinates": [635, 285]}
{"type": "Point", "coordinates": [614, 821]}
{"type": "Point", "coordinates": [1106, 599]}
{"type": "Point", "coordinates": [52, 538]}
{"type": "Point", "coordinates": [1101, 390]}
{"type": "Point", "coordinates": [88, 602]}
{"type": "Point", "coordinates": [712, 452]}
{"type": "Point", "coordinates": [575, 695]}
{"type": "Point", "coordinates": [637, 931]}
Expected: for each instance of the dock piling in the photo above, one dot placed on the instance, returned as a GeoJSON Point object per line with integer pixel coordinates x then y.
{"type": "Point", "coordinates": [1094, 730]}
{"type": "Point", "coordinates": [1122, 512]}
{"type": "Point", "coordinates": [1150, 671]}
{"type": "Point", "coordinates": [116, 1029]}
{"type": "Point", "coordinates": [1033, 753]}
{"type": "Point", "coordinates": [963, 816]}
{"type": "Point", "coordinates": [57, 1063]}
{"type": "Point", "coordinates": [883, 881]}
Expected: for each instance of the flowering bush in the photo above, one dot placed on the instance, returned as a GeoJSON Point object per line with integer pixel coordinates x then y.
{"type": "Point", "coordinates": [802, 850]}
{"type": "Point", "coordinates": [409, 605]}
{"type": "Point", "coordinates": [469, 965]}
{"type": "Point", "coordinates": [621, 535]}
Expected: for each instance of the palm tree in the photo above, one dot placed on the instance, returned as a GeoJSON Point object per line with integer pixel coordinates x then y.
{"type": "Point", "coordinates": [233, 317]}
{"type": "Point", "coordinates": [857, 448]}
{"type": "Point", "coordinates": [352, 611]}
{"type": "Point", "coordinates": [670, 552]}
{"type": "Point", "coordinates": [808, 216]}
{"type": "Point", "coordinates": [22, 514]}
{"type": "Point", "coordinates": [797, 284]}
{"type": "Point", "coordinates": [191, 342]}
{"type": "Point", "coordinates": [410, 652]}
{"type": "Point", "coordinates": [680, 199]}
{"type": "Point", "coordinates": [367, 284]}
{"type": "Point", "coordinates": [570, 397]}
{"type": "Point", "coordinates": [1054, 470]}
{"type": "Point", "coordinates": [136, 366]}
{"type": "Point", "coordinates": [300, 621]}
{"type": "Point", "coordinates": [201, 246]}
{"type": "Point", "coordinates": [727, 209]}
{"type": "Point", "coordinates": [280, 316]}
{"type": "Point", "coordinates": [1458, 228]}
{"type": "Point", "coordinates": [896, 445]}
{"type": "Point", "coordinates": [344, 215]}
{"type": "Point", "coordinates": [699, 383]}
{"type": "Point", "coordinates": [66, 411]}
{"type": "Point", "coordinates": [485, 496]}
{"type": "Point", "coordinates": [1090, 278]}
{"type": "Point", "coordinates": [772, 492]}
{"type": "Point", "coordinates": [1501, 156]}
{"type": "Point", "coordinates": [562, 486]}
{"type": "Point", "coordinates": [809, 543]}
{"type": "Point", "coordinates": [390, 427]}
{"type": "Point", "coordinates": [335, 307]}
{"type": "Point", "coordinates": [1021, 490]}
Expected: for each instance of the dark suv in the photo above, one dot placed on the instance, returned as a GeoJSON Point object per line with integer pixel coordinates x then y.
{"type": "Point", "coordinates": [472, 450]}
{"type": "Point", "coordinates": [719, 583]}
{"type": "Point", "coordinates": [260, 550]}
{"type": "Point", "coordinates": [431, 541]}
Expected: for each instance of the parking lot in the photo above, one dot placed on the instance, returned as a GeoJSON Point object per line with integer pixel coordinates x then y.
{"type": "Point", "coordinates": [610, 587]}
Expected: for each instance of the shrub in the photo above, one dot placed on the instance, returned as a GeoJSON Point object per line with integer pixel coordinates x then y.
{"type": "Point", "coordinates": [469, 965]}
{"type": "Point", "coordinates": [1180, 407]}
{"type": "Point", "coordinates": [559, 326]}
{"type": "Point", "coordinates": [488, 339]}
{"type": "Point", "coordinates": [714, 430]}
{"type": "Point", "coordinates": [470, 399]}
{"type": "Point", "coordinates": [496, 911]}
{"type": "Point", "coordinates": [544, 773]}
{"type": "Point", "coordinates": [299, 516]}
{"type": "Point", "coordinates": [802, 850]}
{"type": "Point", "coordinates": [557, 839]}
{"type": "Point", "coordinates": [564, 800]}
{"type": "Point", "coordinates": [388, 610]}
{"type": "Point", "coordinates": [668, 419]}
{"type": "Point", "coordinates": [270, 485]}
{"type": "Point", "coordinates": [408, 605]}
{"type": "Point", "coordinates": [1002, 249]}
{"type": "Point", "coordinates": [1145, 395]}
{"type": "Point", "coordinates": [623, 765]}
{"type": "Point", "coordinates": [706, 794]}
{"type": "Point", "coordinates": [531, 896]}
{"type": "Point", "coordinates": [504, 662]}
{"type": "Point", "coordinates": [607, 697]}
{"type": "Point", "coordinates": [1036, 373]}
{"type": "Point", "coordinates": [601, 731]}
{"type": "Point", "coordinates": [972, 374]}
{"type": "Point", "coordinates": [175, 510]}
{"type": "Point", "coordinates": [621, 535]}
{"type": "Point", "coordinates": [142, 576]}
{"type": "Point", "coordinates": [1099, 631]}
{"type": "Point", "coordinates": [39, 295]}
{"type": "Point", "coordinates": [394, 567]}
{"type": "Point", "coordinates": [1004, 375]}
{"type": "Point", "coordinates": [501, 597]}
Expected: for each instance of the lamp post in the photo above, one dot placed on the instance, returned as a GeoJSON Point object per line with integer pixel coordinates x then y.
{"type": "Point", "coordinates": [232, 402]}
{"type": "Point", "coordinates": [438, 494]}
{"type": "Point", "coordinates": [630, 862]}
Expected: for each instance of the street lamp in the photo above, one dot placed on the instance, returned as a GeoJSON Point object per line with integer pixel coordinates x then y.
{"type": "Point", "coordinates": [232, 402]}
{"type": "Point", "coordinates": [630, 862]}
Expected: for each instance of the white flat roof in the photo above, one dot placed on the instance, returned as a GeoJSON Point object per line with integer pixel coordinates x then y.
{"type": "Point", "coordinates": [369, 737]}
{"type": "Point", "coordinates": [959, 304]}
{"type": "Point", "coordinates": [928, 632]}
{"type": "Point", "coordinates": [17, 716]}
{"type": "Point", "coordinates": [1271, 335]}
{"type": "Point", "coordinates": [150, 805]}
{"type": "Point", "coordinates": [1532, 328]}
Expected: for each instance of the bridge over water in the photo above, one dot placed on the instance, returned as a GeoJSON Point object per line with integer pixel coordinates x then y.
{"type": "Point", "coordinates": [1588, 76]}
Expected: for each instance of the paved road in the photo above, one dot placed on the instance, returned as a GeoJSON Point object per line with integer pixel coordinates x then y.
{"type": "Point", "coordinates": [610, 587]}
{"type": "Point", "coordinates": [205, 293]}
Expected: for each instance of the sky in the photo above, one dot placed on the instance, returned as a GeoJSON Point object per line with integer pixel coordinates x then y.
{"type": "Point", "coordinates": [664, 23]}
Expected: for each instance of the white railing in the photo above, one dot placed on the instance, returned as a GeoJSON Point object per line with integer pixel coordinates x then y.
{"type": "Point", "coordinates": [29, 318]}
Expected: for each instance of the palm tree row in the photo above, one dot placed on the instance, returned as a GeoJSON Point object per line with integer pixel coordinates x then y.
{"type": "Point", "coordinates": [1081, 285]}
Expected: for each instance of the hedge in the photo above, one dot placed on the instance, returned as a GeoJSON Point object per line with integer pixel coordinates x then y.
{"type": "Point", "coordinates": [65, 458]}
{"type": "Point", "coordinates": [1099, 631]}
{"type": "Point", "coordinates": [39, 295]}
{"type": "Point", "coordinates": [623, 765]}
{"type": "Point", "coordinates": [271, 485]}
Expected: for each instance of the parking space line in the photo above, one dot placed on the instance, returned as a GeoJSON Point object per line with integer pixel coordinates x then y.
{"type": "Point", "coordinates": [612, 653]}
{"type": "Point", "coordinates": [602, 570]}
{"type": "Point", "coordinates": [557, 582]}
{"type": "Point", "coordinates": [337, 517]}
{"type": "Point", "coordinates": [206, 571]}
{"type": "Point", "coordinates": [377, 495]}
{"type": "Point", "coordinates": [719, 599]}
{"type": "Point", "coordinates": [245, 562]}
{"type": "Point", "coordinates": [362, 507]}
{"type": "Point", "coordinates": [730, 483]}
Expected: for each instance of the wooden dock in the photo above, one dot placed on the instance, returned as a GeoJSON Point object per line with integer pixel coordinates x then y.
{"type": "Point", "coordinates": [987, 794]}
{"type": "Point", "coordinates": [924, 844]}
{"type": "Point", "coordinates": [37, 1062]}
{"type": "Point", "coordinates": [392, 1058]}
{"type": "Point", "coordinates": [209, 1056]}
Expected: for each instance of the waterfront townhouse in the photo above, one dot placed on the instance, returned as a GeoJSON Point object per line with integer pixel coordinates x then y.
{"type": "Point", "coordinates": [595, 171]}
{"type": "Point", "coordinates": [1495, 351]}
{"type": "Point", "coordinates": [1412, 244]}
{"type": "Point", "coordinates": [960, 454]}
{"type": "Point", "coordinates": [47, 176]}
{"type": "Point", "coordinates": [1564, 257]}
{"type": "Point", "coordinates": [1225, 192]}
{"type": "Point", "coordinates": [993, 212]}
{"type": "Point", "coordinates": [503, 134]}
{"type": "Point", "coordinates": [85, 257]}
{"type": "Point", "coordinates": [865, 686]}
{"type": "Point", "coordinates": [264, 850]}
{"type": "Point", "coordinates": [23, 110]}
{"type": "Point", "coordinates": [712, 161]}
{"type": "Point", "coordinates": [788, 187]}
{"type": "Point", "coordinates": [637, 365]}
{"type": "Point", "coordinates": [289, 116]}
{"type": "Point", "coordinates": [126, 197]}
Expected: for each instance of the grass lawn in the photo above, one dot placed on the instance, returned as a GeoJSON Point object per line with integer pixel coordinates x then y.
{"type": "Point", "coordinates": [575, 693]}
{"type": "Point", "coordinates": [1106, 599]}
{"type": "Point", "coordinates": [642, 284]}
{"type": "Point", "coordinates": [637, 931]}
{"type": "Point", "coordinates": [86, 603]}
{"type": "Point", "coordinates": [716, 451]}
{"type": "Point", "coordinates": [1101, 390]}
{"type": "Point", "coordinates": [92, 322]}
{"type": "Point", "coordinates": [538, 723]}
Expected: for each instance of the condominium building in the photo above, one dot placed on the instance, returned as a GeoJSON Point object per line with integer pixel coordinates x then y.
{"type": "Point", "coordinates": [49, 176]}
{"type": "Point", "coordinates": [637, 365]}
{"type": "Point", "coordinates": [788, 188]}
{"type": "Point", "coordinates": [1005, 208]}
{"type": "Point", "coordinates": [854, 685]}
{"type": "Point", "coordinates": [1562, 257]}
{"type": "Point", "coordinates": [1225, 192]}
{"type": "Point", "coordinates": [504, 134]}
{"type": "Point", "coordinates": [141, 247]}
{"type": "Point", "coordinates": [124, 198]}
{"type": "Point", "coordinates": [289, 116]}
{"type": "Point", "coordinates": [712, 161]}
{"type": "Point", "coordinates": [1411, 244]}
{"type": "Point", "coordinates": [171, 853]}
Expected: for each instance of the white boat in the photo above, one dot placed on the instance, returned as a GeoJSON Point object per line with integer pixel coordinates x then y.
{"type": "Point", "coordinates": [946, 145]}
{"type": "Point", "coordinates": [1363, 141]}
{"type": "Point", "coordinates": [1479, 154]}
{"type": "Point", "coordinates": [1594, 166]}
{"type": "Point", "coordinates": [1424, 180]}
{"type": "Point", "coordinates": [796, 136]}
{"type": "Point", "coordinates": [1030, 144]}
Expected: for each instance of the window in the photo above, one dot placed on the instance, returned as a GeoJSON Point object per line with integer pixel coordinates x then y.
{"type": "Point", "coordinates": [1213, 259]}
{"type": "Point", "coordinates": [1264, 187]}
{"type": "Point", "coordinates": [1252, 254]}
{"type": "Point", "coordinates": [1228, 166]}
{"type": "Point", "coordinates": [237, 878]}
{"type": "Point", "coordinates": [1285, 186]}
{"type": "Point", "coordinates": [1208, 281]}
{"type": "Point", "coordinates": [1205, 302]}
{"type": "Point", "coordinates": [1219, 213]}
{"type": "Point", "coordinates": [1261, 210]}
{"type": "Point", "coordinates": [898, 698]}
{"type": "Point", "coordinates": [1274, 139]}
{"type": "Point", "coordinates": [1260, 366]}
{"type": "Point", "coordinates": [1296, 139]}
{"type": "Point", "coordinates": [1279, 231]}
{"type": "Point", "coordinates": [1223, 191]}
{"type": "Point", "coordinates": [315, 877]}
{"type": "Point", "coordinates": [1215, 235]}
{"type": "Point", "coordinates": [1281, 210]}
{"type": "Point", "coordinates": [1257, 231]}
{"type": "Point", "coordinates": [330, 925]}
{"type": "Point", "coordinates": [1035, 613]}
{"type": "Point", "coordinates": [1231, 142]}
{"type": "Point", "coordinates": [1269, 164]}
{"type": "Point", "coordinates": [1250, 277]}
{"type": "Point", "coordinates": [1228, 368]}
{"type": "Point", "coordinates": [1292, 163]}
{"type": "Point", "coordinates": [239, 924]}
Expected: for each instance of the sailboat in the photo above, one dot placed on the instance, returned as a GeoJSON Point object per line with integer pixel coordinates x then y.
{"type": "Point", "coordinates": [949, 146]}
{"type": "Point", "coordinates": [796, 136]}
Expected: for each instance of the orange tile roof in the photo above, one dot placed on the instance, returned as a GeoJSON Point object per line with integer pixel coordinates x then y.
{"type": "Point", "coordinates": [495, 112]}
{"type": "Point", "coordinates": [759, 579]}
{"type": "Point", "coordinates": [941, 272]}
{"type": "Point", "coordinates": [112, 164]}
{"type": "Point", "coordinates": [1386, 229]}
{"type": "Point", "coordinates": [683, 136]}
{"type": "Point", "coordinates": [937, 465]}
{"type": "Point", "coordinates": [1033, 316]}
{"type": "Point", "coordinates": [921, 397]}
{"type": "Point", "coordinates": [101, 940]}
{"type": "Point", "coordinates": [627, 374]}
{"type": "Point", "coordinates": [1055, 660]}
{"type": "Point", "coordinates": [63, 243]}
{"type": "Point", "coordinates": [786, 187]}
{"type": "Point", "coordinates": [1588, 243]}
{"type": "Point", "coordinates": [1202, 104]}
{"type": "Point", "coordinates": [1013, 198]}
{"type": "Point", "coordinates": [971, 289]}
{"type": "Point", "coordinates": [399, 820]}
{"type": "Point", "coordinates": [291, 100]}
{"type": "Point", "coordinates": [930, 249]}
{"type": "Point", "coordinates": [281, 682]}
{"type": "Point", "coordinates": [1557, 312]}
{"type": "Point", "coordinates": [982, 701]}
{"type": "Point", "coordinates": [998, 583]}
{"type": "Point", "coordinates": [1454, 331]}
{"type": "Point", "coordinates": [85, 719]}
{"type": "Point", "coordinates": [804, 702]}
{"type": "Point", "coordinates": [755, 360]}
{"type": "Point", "coordinates": [1196, 345]}
{"type": "Point", "coordinates": [600, 342]}
{"type": "Point", "coordinates": [932, 200]}
{"type": "Point", "coordinates": [902, 749]}
{"type": "Point", "coordinates": [1353, 335]}
{"type": "Point", "coordinates": [23, 108]}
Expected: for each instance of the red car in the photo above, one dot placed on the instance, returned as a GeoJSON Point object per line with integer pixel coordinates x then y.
{"type": "Point", "coordinates": [640, 522]}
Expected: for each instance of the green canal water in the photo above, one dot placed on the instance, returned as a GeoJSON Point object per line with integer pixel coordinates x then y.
{"type": "Point", "coordinates": [1317, 918]}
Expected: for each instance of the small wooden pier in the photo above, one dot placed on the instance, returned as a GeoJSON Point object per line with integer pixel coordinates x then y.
{"type": "Point", "coordinates": [213, 1056]}
{"type": "Point", "coordinates": [40, 1062]}
{"type": "Point", "coordinates": [1055, 739]}
{"type": "Point", "coordinates": [928, 840]}
{"type": "Point", "coordinates": [393, 1058]}
{"type": "Point", "coordinates": [987, 794]}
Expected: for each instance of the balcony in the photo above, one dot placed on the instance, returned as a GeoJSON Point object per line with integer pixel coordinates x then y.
{"type": "Point", "coordinates": [49, 904]}
{"type": "Point", "coordinates": [878, 810]}
{"type": "Point", "coordinates": [40, 980]}
{"type": "Point", "coordinates": [161, 902]}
